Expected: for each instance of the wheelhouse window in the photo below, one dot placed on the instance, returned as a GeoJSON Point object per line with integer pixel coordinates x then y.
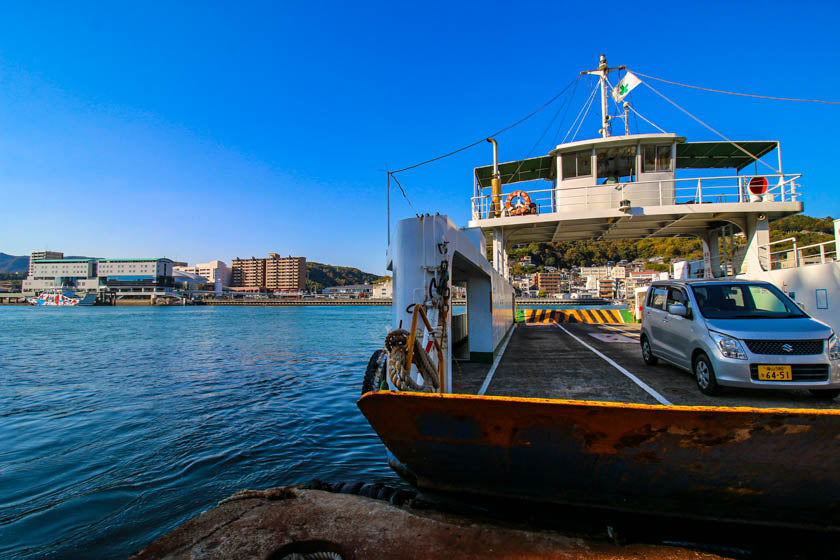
{"type": "Point", "coordinates": [617, 164]}
{"type": "Point", "coordinates": [577, 164]}
{"type": "Point", "coordinates": [656, 158]}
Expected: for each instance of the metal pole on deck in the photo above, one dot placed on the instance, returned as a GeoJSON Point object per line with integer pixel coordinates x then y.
{"type": "Point", "coordinates": [388, 199]}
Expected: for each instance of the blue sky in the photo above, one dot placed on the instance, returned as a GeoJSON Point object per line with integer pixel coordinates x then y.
{"type": "Point", "coordinates": [214, 130]}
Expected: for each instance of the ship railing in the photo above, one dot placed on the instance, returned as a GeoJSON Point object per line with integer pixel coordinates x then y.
{"type": "Point", "coordinates": [792, 255]}
{"type": "Point", "coordinates": [703, 190]}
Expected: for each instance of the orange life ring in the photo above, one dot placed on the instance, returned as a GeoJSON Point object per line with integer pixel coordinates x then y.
{"type": "Point", "coordinates": [523, 207]}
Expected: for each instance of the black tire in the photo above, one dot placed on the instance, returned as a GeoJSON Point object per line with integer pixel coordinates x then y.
{"type": "Point", "coordinates": [824, 394]}
{"type": "Point", "coordinates": [704, 374]}
{"type": "Point", "coordinates": [370, 373]}
{"type": "Point", "coordinates": [647, 352]}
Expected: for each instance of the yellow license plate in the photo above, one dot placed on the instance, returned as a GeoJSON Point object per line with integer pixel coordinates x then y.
{"type": "Point", "coordinates": [774, 373]}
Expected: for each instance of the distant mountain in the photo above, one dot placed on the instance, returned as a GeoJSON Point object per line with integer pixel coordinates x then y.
{"type": "Point", "coordinates": [12, 263]}
{"type": "Point", "coordinates": [322, 276]}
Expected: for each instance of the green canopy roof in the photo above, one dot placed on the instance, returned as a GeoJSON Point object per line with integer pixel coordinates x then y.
{"type": "Point", "coordinates": [717, 155]}
{"type": "Point", "coordinates": [518, 171]}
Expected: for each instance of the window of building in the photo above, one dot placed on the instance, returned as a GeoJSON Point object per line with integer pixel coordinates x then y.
{"type": "Point", "coordinates": [616, 164]}
{"type": "Point", "coordinates": [577, 164]}
{"type": "Point", "coordinates": [656, 158]}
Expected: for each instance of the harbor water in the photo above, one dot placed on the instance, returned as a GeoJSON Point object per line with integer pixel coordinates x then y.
{"type": "Point", "coordinates": [119, 423]}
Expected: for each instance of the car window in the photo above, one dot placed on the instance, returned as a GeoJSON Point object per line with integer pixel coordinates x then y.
{"type": "Point", "coordinates": [744, 301]}
{"type": "Point", "coordinates": [657, 298]}
{"type": "Point", "coordinates": [677, 297]}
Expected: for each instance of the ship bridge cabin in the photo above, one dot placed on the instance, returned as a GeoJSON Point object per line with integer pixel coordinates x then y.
{"type": "Point", "coordinates": [633, 187]}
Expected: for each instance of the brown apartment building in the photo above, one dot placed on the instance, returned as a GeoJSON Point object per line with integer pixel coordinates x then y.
{"type": "Point", "coordinates": [275, 273]}
{"type": "Point", "coordinates": [551, 282]}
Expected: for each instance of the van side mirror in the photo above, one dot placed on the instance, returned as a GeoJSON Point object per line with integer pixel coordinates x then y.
{"type": "Point", "coordinates": [677, 309]}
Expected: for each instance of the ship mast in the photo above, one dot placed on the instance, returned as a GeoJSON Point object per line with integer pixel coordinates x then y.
{"type": "Point", "coordinates": [602, 71]}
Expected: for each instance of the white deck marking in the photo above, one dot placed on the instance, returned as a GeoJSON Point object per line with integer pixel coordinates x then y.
{"type": "Point", "coordinates": [612, 337]}
{"type": "Point", "coordinates": [498, 359]}
{"type": "Point", "coordinates": [650, 390]}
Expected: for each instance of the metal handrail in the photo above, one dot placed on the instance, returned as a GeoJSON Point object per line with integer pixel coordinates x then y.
{"type": "Point", "coordinates": [668, 192]}
{"type": "Point", "coordinates": [799, 256]}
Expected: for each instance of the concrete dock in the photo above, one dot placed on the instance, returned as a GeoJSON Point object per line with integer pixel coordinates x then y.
{"type": "Point", "coordinates": [286, 523]}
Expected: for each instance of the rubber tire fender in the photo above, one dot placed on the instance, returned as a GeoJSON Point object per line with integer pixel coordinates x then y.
{"type": "Point", "coordinates": [370, 373]}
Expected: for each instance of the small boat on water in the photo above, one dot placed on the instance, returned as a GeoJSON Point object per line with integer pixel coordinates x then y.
{"type": "Point", "coordinates": [62, 297]}
{"type": "Point", "coordinates": [476, 403]}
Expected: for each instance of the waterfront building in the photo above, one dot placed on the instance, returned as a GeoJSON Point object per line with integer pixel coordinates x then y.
{"type": "Point", "coordinates": [213, 272]}
{"type": "Point", "coordinates": [351, 290]}
{"type": "Point", "coordinates": [136, 275]}
{"type": "Point", "coordinates": [75, 274]}
{"type": "Point", "coordinates": [42, 256]}
{"type": "Point", "coordinates": [285, 274]}
{"type": "Point", "coordinates": [247, 273]}
{"type": "Point", "coordinates": [384, 288]}
{"type": "Point", "coordinates": [274, 273]}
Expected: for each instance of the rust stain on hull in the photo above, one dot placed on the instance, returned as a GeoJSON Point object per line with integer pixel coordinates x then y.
{"type": "Point", "coordinates": [770, 465]}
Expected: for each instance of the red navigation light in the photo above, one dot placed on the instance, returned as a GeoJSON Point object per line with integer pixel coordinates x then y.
{"type": "Point", "coordinates": [758, 185]}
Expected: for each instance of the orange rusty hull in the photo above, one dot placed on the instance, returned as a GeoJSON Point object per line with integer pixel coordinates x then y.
{"type": "Point", "coordinates": [776, 466]}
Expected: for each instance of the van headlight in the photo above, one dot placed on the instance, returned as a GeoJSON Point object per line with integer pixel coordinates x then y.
{"type": "Point", "coordinates": [729, 347]}
{"type": "Point", "coordinates": [834, 347]}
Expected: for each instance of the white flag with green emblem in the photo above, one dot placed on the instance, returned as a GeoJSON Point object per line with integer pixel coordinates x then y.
{"type": "Point", "coordinates": [625, 86]}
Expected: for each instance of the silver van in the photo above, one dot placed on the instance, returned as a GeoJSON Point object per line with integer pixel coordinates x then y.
{"type": "Point", "coordinates": [739, 333]}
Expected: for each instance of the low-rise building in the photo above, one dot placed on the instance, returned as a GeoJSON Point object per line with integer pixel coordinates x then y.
{"type": "Point", "coordinates": [350, 290]}
{"type": "Point", "coordinates": [384, 288]}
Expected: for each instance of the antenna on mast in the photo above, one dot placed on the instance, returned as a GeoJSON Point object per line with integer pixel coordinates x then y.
{"type": "Point", "coordinates": [602, 71]}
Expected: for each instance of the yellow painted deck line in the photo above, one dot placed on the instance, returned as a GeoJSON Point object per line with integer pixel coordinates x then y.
{"type": "Point", "coordinates": [608, 404]}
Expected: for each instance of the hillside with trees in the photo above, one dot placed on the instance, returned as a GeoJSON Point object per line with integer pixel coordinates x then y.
{"type": "Point", "coordinates": [12, 263]}
{"type": "Point", "coordinates": [320, 276]}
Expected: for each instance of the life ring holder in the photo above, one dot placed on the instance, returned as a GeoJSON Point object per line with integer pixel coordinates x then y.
{"type": "Point", "coordinates": [522, 207]}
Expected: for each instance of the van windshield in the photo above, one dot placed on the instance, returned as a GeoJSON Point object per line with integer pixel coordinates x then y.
{"type": "Point", "coordinates": [744, 301]}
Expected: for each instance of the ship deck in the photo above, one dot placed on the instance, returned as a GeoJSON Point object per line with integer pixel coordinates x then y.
{"type": "Point", "coordinates": [601, 362]}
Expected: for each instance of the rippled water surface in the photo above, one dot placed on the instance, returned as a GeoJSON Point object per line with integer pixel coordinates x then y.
{"type": "Point", "coordinates": [117, 423]}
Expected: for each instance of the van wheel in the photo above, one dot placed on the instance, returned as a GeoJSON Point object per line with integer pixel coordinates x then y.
{"type": "Point", "coordinates": [647, 353]}
{"type": "Point", "coordinates": [827, 394]}
{"type": "Point", "coordinates": [705, 375]}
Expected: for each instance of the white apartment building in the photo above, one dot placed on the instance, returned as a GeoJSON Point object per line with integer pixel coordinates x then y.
{"type": "Point", "coordinates": [213, 271]}
{"type": "Point", "coordinates": [42, 256]}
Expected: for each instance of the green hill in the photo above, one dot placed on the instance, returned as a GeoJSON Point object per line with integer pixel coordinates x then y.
{"type": "Point", "coordinates": [12, 263]}
{"type": "Point", "coordinates": [322, 276]}
{"type": "Point", "coordinates": [805, 229]}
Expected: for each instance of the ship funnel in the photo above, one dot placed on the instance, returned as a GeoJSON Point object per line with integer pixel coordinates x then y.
{"type": "Point", "coordinates": [496, 181]}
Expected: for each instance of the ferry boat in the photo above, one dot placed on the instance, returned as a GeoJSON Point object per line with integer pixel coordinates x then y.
{"type": "Point", "coordinates": [62, 297]}
{"type": "Point", "coordinates": [565, 413]}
